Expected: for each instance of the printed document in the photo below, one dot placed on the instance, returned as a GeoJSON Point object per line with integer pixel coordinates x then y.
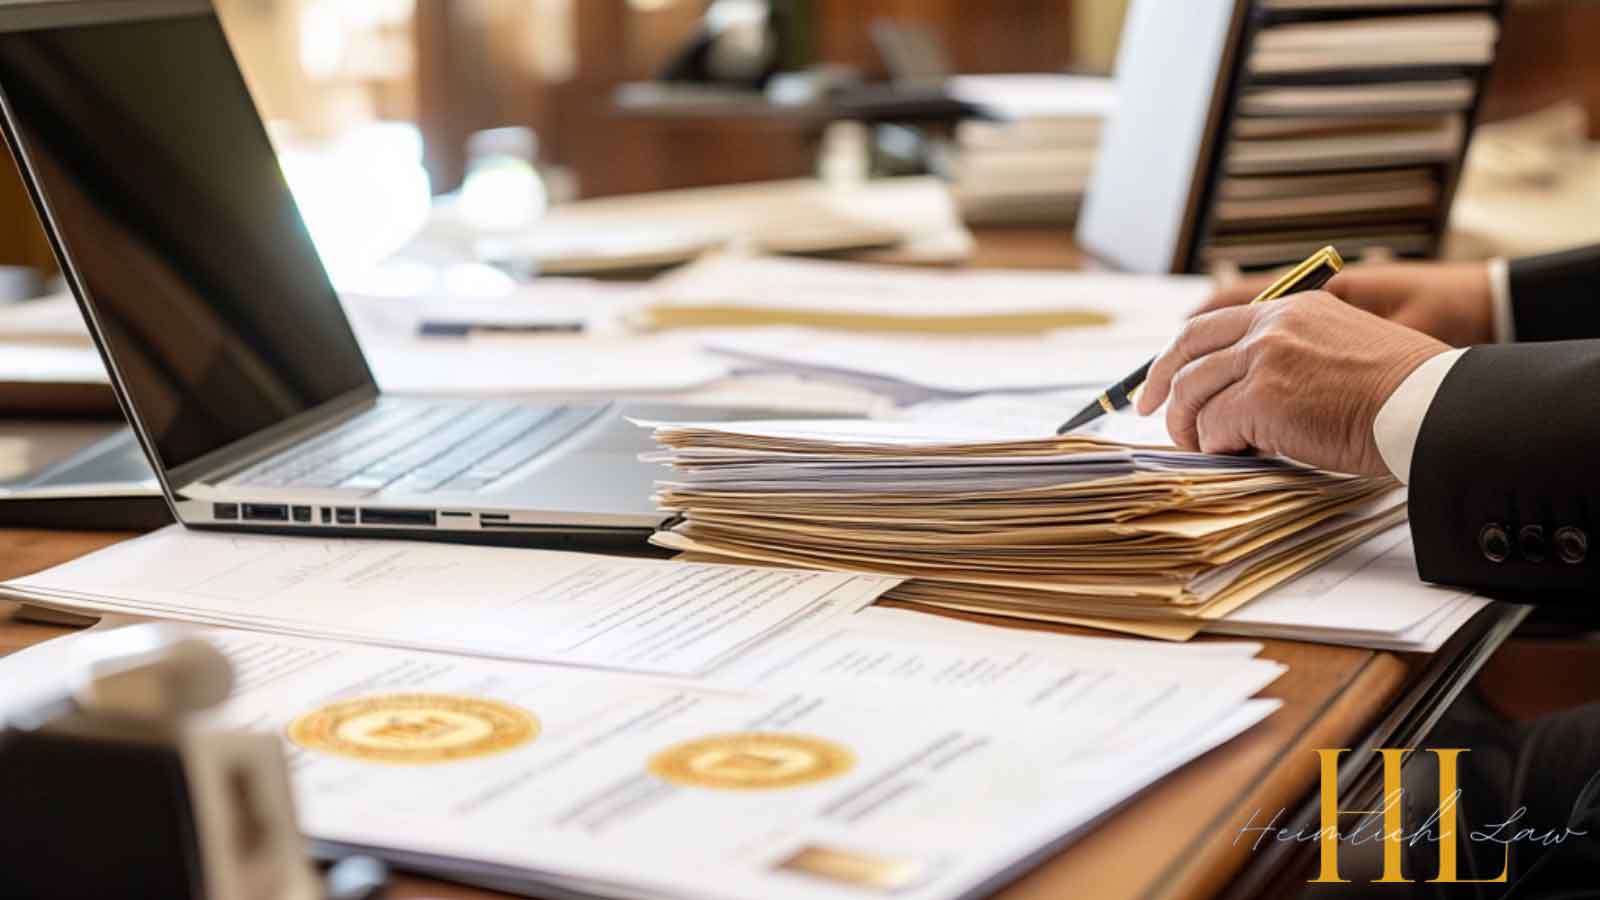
{"type": "Point", "coordinates": [618, 784]}
{"type": "Point", "coordinates": [575, 608]}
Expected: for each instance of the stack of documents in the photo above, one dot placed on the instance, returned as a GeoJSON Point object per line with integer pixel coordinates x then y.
{"type": "Point", "coordinates": [1367, 596]}
{"type": "Point", "coordinates": [911, 335]}
{"type": "Point", "coordinates": [1115, 529]}
{"type": "Point", "coordinates": [1031, 161]}
{"type": "Point", "coordinates": [842, 752]}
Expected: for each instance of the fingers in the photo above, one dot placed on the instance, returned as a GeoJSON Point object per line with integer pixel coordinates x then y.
{"type": "Point", "coordinates": [1223, 424]}
{"type": "Point", "coordinates": [1376, 289]}
{"type": "Point", "coordinates": [1194, 388]}
{"type": "Point", "coordinates": [1202, 335]}
{"type": "Point", "coordinates": [1237, 294]}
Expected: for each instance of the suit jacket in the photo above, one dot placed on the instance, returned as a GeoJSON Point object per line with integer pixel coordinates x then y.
{"type": "Point", "coordinates": [1505, 480]}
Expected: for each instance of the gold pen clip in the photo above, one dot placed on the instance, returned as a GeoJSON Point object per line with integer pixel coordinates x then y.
{"type": "Point", "coordinates": [1287, 282]}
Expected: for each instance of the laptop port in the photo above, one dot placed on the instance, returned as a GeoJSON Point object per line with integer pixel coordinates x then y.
{"type": "Point", "coordinates": [346, 515]}
{"type": "Point", "coordinates": [266, 512]}
{"type": "Point", "coordinates": [302, 513]}
{"type": "Point", "coordinates": [327, 515]}
{"type": "Point", "coordinates": [371, 516]}
{"type": "Point", "coordinates": [224, 510]}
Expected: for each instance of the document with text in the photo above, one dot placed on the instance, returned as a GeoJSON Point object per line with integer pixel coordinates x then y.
{"type": "Point", "coordinates": [615, 612]}
{"type": "Point", "coordinates": [624, 785]}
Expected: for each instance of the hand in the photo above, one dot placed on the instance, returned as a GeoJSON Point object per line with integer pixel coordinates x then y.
{"type": "Point", "coordinates": [1450, 301]}
{"type": "Point", "coordinates": [1302, 377]}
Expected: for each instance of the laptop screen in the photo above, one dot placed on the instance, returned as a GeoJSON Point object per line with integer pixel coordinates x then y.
{"type": "Point", "coordinates": [210, 299]}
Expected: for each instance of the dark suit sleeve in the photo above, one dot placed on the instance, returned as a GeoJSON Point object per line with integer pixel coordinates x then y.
{"type": "Point", "coordinates": [1505, 480]}
{"type": "Point", "coordinates": [1556, 297]}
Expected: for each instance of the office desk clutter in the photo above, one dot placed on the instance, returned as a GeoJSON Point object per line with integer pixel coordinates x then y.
{"type": "Point", "coordinates": [908, 219]}
{"type": "Point", "coordinates": [736, 291]}
{"type": "Point", "coordinates": [1030, 161]}
{"type": "Point", "coordinates": [578, 615]}
{"type": "Point", "coordinates": [1110, 528]}
{"type": "Point", "coordinates": [1250, 132]}
{"type": "Point", "coordinates": [939, 771]}
{"type": "Point", "coordinates": [125, 714]}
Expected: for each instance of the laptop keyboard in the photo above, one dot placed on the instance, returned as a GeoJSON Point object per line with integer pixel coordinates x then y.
{"type": "Point", "coordinates": [419, 447]}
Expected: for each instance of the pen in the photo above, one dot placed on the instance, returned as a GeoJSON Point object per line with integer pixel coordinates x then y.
{"type": "Point", "coordinates": [444, 328]}
{"type": "Point", "coordinates": [1315, 272]}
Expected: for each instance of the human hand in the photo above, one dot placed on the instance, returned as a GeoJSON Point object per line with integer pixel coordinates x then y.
{"type": "Point", "coordinates": [1450, 301]}
{"type": "Point", "coordinates": [1302, 377]}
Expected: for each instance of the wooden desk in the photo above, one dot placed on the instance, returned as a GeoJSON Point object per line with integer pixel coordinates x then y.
{"type": "Point", "coordinates": [1175, 841]}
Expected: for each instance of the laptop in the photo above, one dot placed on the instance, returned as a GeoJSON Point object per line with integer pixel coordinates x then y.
{"type": "Point", "coordinates": [227, 346]}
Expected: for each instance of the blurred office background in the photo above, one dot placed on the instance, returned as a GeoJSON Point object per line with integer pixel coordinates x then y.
{"type": "Point", "coordinates": [378, 104]}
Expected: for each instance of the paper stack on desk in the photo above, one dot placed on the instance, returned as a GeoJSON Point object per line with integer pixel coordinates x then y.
{"type": "Point", "coordinates": [1029, 162]}
{"type": "Point", "coordinates": [923, 336]}
{"type": "Point", "coordinates": [879, 755]}
{"type": "Point", "coordinates": [1088, 528]}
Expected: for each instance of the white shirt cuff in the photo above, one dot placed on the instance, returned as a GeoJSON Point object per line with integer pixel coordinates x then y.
{"type": "Point", "coordinates": [1505, 331]}
{"type": "Point", "coordinates": [1400, 420]}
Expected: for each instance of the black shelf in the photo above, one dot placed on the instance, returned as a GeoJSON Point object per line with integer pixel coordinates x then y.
{"type": "Point", "coordinates": [1237, 81]}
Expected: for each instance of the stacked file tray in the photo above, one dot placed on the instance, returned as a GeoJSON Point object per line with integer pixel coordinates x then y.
{"type": "Point", "coordinates": [1253, 132]}
{"type": "Point", "coordinates": [1345, 123]}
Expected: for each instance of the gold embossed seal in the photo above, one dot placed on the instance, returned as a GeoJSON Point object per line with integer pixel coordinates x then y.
{"type": "Point", "coordinates": [752, 761]}
{"type": "Point", "coordinates": [414, 728]}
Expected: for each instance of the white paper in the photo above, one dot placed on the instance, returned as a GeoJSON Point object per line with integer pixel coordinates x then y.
{"type": "Point", "coordinates": [1128, 700]}
{"type": "Point", "coordinates": [534, 365]}
{"type": "Point", "coordinates": [636, 614]}
{"type": "Point", "coordinates": [792, 213]}
{"type": "Point", "coordinates": [948, 366]}
{"type": "Point", "coordinates": [48, 363]}
{"type": "Point", "coordinates": [54, 319]}
{"type": "Point", "coordinates": [1369, 596]}
{"type": "Point", "coordinates": [956, 789]}
{"type": "Point", "coordinates": [598, 305]}
{"type": "Point", "coordinates": [805, 284]}
{"type": "Point", "coordinates": [1020, 96]}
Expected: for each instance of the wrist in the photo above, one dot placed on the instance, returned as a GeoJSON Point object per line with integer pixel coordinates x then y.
{"type": "Point", "coordinates": [1477, 302]}
{"type": "Point", "coordinates": [1406, 361]}
{"type": "Point", "coordinates": [1399, 422]}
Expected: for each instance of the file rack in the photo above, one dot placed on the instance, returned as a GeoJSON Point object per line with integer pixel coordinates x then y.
{"type": "Point", "coordinates": [1190, 129]}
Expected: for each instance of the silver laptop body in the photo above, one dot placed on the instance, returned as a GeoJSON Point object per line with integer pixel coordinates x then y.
{"type": "Point", "coordinates": [224, 339]}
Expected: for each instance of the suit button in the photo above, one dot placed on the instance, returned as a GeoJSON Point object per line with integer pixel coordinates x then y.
{"type": "Point", "coordinates": [1530, 543]}
{"type": "Point", "coordinates": [1495, 542]}
{"type": "Point", "coordinates": [1572, 544]}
